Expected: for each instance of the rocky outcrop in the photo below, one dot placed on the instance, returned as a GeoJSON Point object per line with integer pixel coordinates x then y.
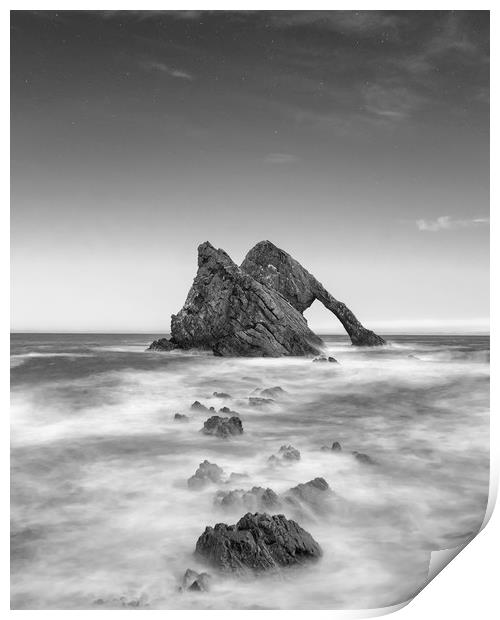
{"type": "Point", "coordinates": [195, 582]}
{"type": "Point", "coordinates": [206, 474]}
{"type": "Point", "coordinates": [285, 454]}
{"type": "Point", "coordinates": [258, 542]}
{"type": "Point", "coordinates": [255, 309]}
{"type": "Point", "coordinates": [180, 417]}
{"type": "Point", "coordinates": [312, 495]}
{"type": "Point", "coordinates": [278, 270]}
{"type": "Point", "coordinates": [255, 500]}
{"type": "Point", "coordinates": [222, 427]}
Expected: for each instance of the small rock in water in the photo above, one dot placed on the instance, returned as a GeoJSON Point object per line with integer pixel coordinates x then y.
{"type": "Point", "coordinates": [222, 427]}
{"type": "Point", "coordinates": [325, 359]}
{"type": "Point", "coordinates": [195, 582]}
{"type": "Point", "coordinates": [258, 542]}
{"type": "Point", "coordinates": [222, 395]}
{"type": "Point", "coordinates": [363, 458]}
{"type": "Point", "coordinates": [286, 453]}
{"type": "Point", "coordinates": [254, 500]}
{"type": "Point", "coordinates": [336, 447]}
{"type": "Point", "coordinates": [312, 494]}
{"type": "Point", "coordinates": [180, 417]}
{"type": "Point", "coordinates": [162, 344]}
{"type": "Point", "coordinates": [255, 401]}
{"type": "Point", "coordinates": [227, 410]}
{"type": "Point", "coordinates": [273, 392]}
{"type": "Point", "coordinates": [205, 474]}
{"type": "Point", "coordinates": [197, 406]}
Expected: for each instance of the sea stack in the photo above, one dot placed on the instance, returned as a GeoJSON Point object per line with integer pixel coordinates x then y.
{"type": "Point", "coordinates": [255, 309]}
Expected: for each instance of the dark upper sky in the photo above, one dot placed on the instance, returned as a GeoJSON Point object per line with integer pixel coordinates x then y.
{"type": "Point", "coordinates": [357, 141]}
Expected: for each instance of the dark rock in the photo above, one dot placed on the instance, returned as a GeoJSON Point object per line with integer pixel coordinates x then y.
{"type": "Point", "coordinates": [162, 344]}
{"type": "Point", "coordinates": [312, 494]}
{"type": "Point", "coordinates": [363, 458]}
{"type": "Point", "coordinates": [180, 417]}
{"type": "Point", "coordinates": [212, 409]}
{"type": "Point", "coordinates": [286, 453]}
{"type": "Point", "coordinates": [258, 542]}
{"type": "Point", "coordinates": [221, 395]}
{"type": "Point", "coordinates": [332, 360]}
{"type": "Point", "coordinates": [227, 410]}
{"type": "Point", "coordinates": [273, 392]}
{"type": "Point", "coordinates": [336, 447]}
{"type": "Point", "coordinates": [277, 270]}
{"type": "Point", "coordinates": [195, 582]}
{"type": "Point", "coordinates": [255, 500]}
{"type": "Point", "coordinates": [255, 401]}
{"type": "Point", "coordinates": [205, 474]}
{"type": "Point", "coordinates": [222, 427]}
{"type": "Point", "coordinates": [197, 406]}
{"type": "Point", "coordinates": [256, 309]}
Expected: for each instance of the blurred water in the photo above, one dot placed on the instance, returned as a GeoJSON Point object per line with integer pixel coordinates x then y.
{"type": "Point", "coordinates": [102, 516]}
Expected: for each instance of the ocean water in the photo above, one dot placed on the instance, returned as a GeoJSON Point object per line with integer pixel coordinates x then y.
{"type": "Point", "coordinates": [101, 513]}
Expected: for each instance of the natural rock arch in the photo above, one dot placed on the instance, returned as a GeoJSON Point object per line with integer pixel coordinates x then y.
{"type": "Point", "coordinates": [255, 309]}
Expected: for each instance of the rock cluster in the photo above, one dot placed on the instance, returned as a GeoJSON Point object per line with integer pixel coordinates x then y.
{"type": "Point", "coordinates": [222, 427]}
{"type": "Point", "coordinates": [205, 474]}
{"type": "Point", "coordinates": [255, 500]}
{"type": "Point", "coordinates": [258, 542]}
{"type": "Point", "coordinates": [255, 309]}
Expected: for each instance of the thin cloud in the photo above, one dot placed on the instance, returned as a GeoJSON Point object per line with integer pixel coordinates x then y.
{"type": "Point", "coordinates": [280, 158]}
{"type": "Point", "coordinates": [153, 65]}
{"type": "Point", "coordinates": [445, 222]}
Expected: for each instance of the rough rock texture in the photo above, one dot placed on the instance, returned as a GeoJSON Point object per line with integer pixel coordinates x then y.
{"type": "Point", "coordinates": [258, 542]}
{"type": "Point", "coordinates": [278, 270]}
{"type": "Point", "coordinates": [255, 500]}
{"type": "Point", "coordinates": [205, 474]}
{"type": "Point", "coordinates": [195, 582]}
{"type": "Point", "coordinates": [222, 427]}
{"type": "Point", "coordinates": [325, 359]}
{"type": "Point", "coordinates": [197, 406]}
{"type": "Point", "coordinates": [255, 309]}
{"type": "Point", "coordinates": [162, 344]}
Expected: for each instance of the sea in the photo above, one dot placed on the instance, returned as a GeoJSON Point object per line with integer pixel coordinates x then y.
{"type": "Point", "coordinates": [101, 514]}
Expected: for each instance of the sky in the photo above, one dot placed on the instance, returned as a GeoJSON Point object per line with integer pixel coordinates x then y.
{"type": "Point", "coordinates": [358, 141]}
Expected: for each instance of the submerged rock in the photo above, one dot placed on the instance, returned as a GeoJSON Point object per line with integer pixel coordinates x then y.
{"type": "Point", "coordinates": [197, 406]}
{"type": "Point", "coordinates": [258, 542]}
{"type": "Point", "coordinates": [180, 417]}
{"type": "Point", "coordinates": [206, 474]}
{"type": "Point", "coordinates": [272, 392]}
{"type": "Point", "coordinates": [332, 360]}
{"type": "Point", "coordinates": [336, 447]}
{"type": "Point", "coordinates": [312, 495]}
{"type": "Point", "coordinates": [255, 309]}
{"type": "Point", "coordinates": [195, 582]}
{"type": "Point", "coordinates": [255, 500]}
{"type": "Point", "coordinates": [221, 395]}
{"type": "Point", "coordinates": [285, 453]}
{"type": "Point", "coordinates": [255, 401]}
{"type": "Point", "coordinates": [222, 427]}
{"type": "Point", "coordinates": [363, 458]}
{"type": "Point", "coordinates": [162, 344]}
{"type": "Point", "coordinates": [228, 410]}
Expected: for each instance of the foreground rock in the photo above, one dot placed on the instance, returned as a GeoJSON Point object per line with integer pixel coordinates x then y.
{"type": "Point", "coordinates": [258, 542]}
{"type": "Point", "coordinates": [255, 309]}
{"type": "Point", "coordinates": [206, 474]}
{"type": "Point", "coordinates": [222, 427]}
{"type": "Point", "coordinates": [195, 582]}
{"type": "Point", "coordinates": [257, 499]}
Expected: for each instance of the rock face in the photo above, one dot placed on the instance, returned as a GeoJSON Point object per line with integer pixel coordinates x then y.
{"type": "Point", "coordinates": [255, 309]}
{"type": "Point", "coordinates": [205, 474]}
{"type": "Point", "coordinates": [254, 500]}
{"type": "Point", "coordinates": [195, 582]}
{"type": "Point", "coordinates": [312, 494]}
{"type": "Point", "coordinates": [258, 542]}
{"type": "Point", "coordinates": [222, 427]}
